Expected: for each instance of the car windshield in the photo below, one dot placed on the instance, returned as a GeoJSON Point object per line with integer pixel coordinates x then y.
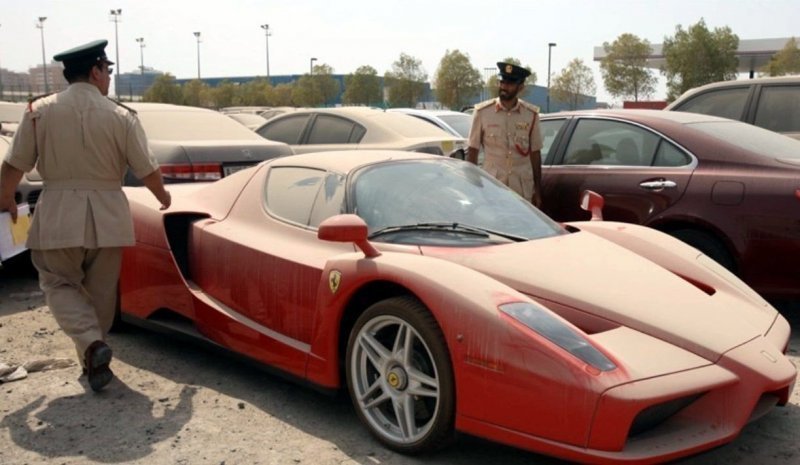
{"type": "Point", "coordinates": [751, 138]}
{"type": "Point", "coordinates": [193, 125]}
{"type": "Point", "coordinates": [443, 202]}
{"type": "Point", "coordinates": [461, 123]}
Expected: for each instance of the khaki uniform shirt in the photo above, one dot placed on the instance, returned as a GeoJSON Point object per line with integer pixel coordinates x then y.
{"type": "Point", "coordinates": [508, 138]}
{"type": "Point", "coordinates": [81, 143]}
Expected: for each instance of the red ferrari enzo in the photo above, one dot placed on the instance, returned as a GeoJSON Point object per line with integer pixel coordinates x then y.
{"type": "Point", "coordinates": [444, 302]}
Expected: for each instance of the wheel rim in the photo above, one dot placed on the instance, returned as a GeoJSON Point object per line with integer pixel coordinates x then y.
{"type": "Point", "coordinates": [395, 380]}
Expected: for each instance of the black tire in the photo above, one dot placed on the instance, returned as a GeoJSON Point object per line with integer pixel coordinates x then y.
{"type": "Point", "coordinates": [382, 380]}
{"type": "Point", "coordinates": [708, 244]}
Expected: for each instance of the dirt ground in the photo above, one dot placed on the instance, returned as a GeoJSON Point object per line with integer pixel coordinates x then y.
{"type": "Point", "coordinates": [177, 403]}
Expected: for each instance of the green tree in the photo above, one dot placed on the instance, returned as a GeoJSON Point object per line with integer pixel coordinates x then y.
{"type": "Point", "coordinates": [328, 86]}
{"type": "Point", "coordinates": [196, 93]}
{"type": "Point", "coordinates": [405, 82]}
{"type": "Point", "coordinates": [225, 95]}
{"type": "Point", "coordinates": [306, 93]}
{"type": "Point", "coordinates": [164, 90]}
{"type": "Point", "coordinates": [573, 84]}
{"type": "Point", "coordinates": [530, 81]}
{"type": "Point", "coordinates": [282, 95]}
{"type": "Point", "coordinates": [697, 56]}
{"type": "Point", "coordinates": [457, 81]}
{"type": "Point", "coordinates": [786, 61]}
{"type": "Point", "coordinates": [624, 67]}
{"type": "Point", "coordinates": [362, 87]}
{"type": "Point", "coordinates": [257, 92]}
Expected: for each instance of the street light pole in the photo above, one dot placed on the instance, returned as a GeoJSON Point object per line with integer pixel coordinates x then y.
{"type": "Point", "coordinates": [115, 14]}
{"type": "Point", "coordinates": [549, 50]}
{"type": "Point", "coordinates": [40, 25]}
{"type": "Point", "coordinates": [197, 35]}
{"type": "Point", "coordinates": [311, 67]}
{"type": "Point", "coordinates": [265, 27]}
{"type": "Point", "coordinates": [140, 40]}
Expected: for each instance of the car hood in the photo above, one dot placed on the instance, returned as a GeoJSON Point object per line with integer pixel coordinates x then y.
{"type": "Point", "coordinates": [216, 151]}
{"type": "Point", "coordinates": [588, 273]}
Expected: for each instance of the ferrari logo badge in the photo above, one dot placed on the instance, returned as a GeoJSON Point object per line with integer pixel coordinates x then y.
{"type": "Point", "coordinates": [509, 69]}
{"type": "Point", "coordinates": [334, 279]}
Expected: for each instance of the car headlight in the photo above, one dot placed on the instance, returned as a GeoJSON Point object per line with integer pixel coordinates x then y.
{"type": "Point", "coordinates": [545, 324]}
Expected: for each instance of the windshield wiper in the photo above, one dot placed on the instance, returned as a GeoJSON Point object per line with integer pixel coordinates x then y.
{"type": "Point", "coordinates": [444, 226]}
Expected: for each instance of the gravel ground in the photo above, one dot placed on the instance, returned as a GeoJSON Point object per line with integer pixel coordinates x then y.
{"type": "Point", "coordinates": [178, 403]}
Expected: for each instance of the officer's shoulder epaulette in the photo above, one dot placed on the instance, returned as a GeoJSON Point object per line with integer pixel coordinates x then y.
{"type": "Point", "coordinates": [118, 103]}
{"type": "Point", "coordinates": [484, 104]}
{"type": "Point", "coordinates": [530, 106]}
{"type": "Point", "coordinates": [37, 97]}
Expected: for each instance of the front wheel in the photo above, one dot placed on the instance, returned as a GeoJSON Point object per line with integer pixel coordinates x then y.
{"type": "Point", "coordinates": [400, 376]}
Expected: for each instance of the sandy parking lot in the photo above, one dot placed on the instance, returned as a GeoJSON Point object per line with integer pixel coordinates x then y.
{"type": "Point", "coordinates": [177, 403]}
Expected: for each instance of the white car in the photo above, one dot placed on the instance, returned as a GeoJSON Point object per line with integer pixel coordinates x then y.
{"type": "Point", "coordinates": [360, 128]}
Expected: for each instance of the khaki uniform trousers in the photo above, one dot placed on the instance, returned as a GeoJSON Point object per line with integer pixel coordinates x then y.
{"type": "Point", "coordinates": [80, 287]}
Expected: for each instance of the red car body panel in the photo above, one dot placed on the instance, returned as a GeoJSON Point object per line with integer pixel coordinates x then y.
{"type": "Point", "coordinates": [262, 287]}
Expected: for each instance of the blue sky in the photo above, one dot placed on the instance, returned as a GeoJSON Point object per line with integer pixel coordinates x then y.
{"type": "Point", "coordinates": [346, 34]}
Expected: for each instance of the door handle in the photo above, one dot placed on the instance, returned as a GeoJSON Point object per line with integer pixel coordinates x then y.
{"type": "Point", "coordinates": [658, 185]}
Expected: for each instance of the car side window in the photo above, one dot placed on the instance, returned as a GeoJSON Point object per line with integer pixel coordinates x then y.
{"type": "Point", "coordinates": [330, 199]}
{"type": "Point", "coordinates": [607, 142]}
{"type": "Point", "coordinates": [779, 109]}
{"type": "Point", "coordinates": [549, 131]}
{"type": "Point", "coordinates": [726, 103]}
{"type": "Point", "coordinates": [290, 192]}
{"type": "Point", "coordinates": [287, 130]}
{"type": "Point", "coordinates": [669, 155]}
{"type": "Point", "coordinates": [330, 130]}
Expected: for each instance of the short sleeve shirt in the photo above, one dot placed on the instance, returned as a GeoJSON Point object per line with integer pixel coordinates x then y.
{"type": "Point", "coordinates": [81, 143]}
{"type": "Point", "coordinates": [508, 138]}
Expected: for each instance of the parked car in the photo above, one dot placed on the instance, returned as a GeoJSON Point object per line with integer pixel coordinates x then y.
{"type": "Point", "coordinates": [454, 122]}
{"type": "Point", "coordinates": [730, 189]}
{"type": "Point", "coordinates": [590, 341]}
{"type": "Point", "coordinates": [190, 144]}
{"type": "Point", "coordinates": [10, 116]}
{"type": "Point", "coordinates": [251, 121]}
{"type": "Point", "coordinates": [325, 129]}
{"type": "Point", "coordinates": [771, 103]}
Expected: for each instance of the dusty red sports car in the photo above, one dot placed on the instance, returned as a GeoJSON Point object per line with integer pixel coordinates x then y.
{"type": "Point", "coordinates": [444, 302]}
{"type": "Point", "coordinates": [730, 189]}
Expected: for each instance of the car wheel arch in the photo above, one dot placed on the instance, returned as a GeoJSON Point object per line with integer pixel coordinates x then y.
{"type": "Point", "coordinates": [717, 244]}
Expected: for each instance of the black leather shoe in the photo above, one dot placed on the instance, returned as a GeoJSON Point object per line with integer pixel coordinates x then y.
{"type": "Point", "coordinates": [97, 358]}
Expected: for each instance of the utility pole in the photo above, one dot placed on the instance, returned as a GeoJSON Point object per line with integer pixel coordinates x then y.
{"type": "Point", "coordinates": [40, 25]}
{"type": "Point", "coordinates": [549, 49]}
{"type": "Point", "coordinates": [115, 14]}
{"type": "Point", "coordinates": [265, 27]}
{"type": "Point", "coordinates": [197, 35]}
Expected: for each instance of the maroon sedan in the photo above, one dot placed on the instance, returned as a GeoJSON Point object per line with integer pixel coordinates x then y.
{"type": "Point", "coordinates": [727, 188]}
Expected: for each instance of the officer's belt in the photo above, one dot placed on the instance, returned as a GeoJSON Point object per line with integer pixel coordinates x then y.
{"type": "Point", "coordinates": [86, 184]}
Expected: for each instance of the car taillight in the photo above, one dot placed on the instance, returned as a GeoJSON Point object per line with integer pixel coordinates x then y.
{"type": "Point", "coordinates": [797, 193]}
{"type": "Point", "coordinates": [196, 172]}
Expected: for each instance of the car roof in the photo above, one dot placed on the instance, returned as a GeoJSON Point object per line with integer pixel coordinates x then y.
{"type": "Point", "coordinates": [387, 125]}
{"type": "Point", "coordinates": [422, 111]}
{"type": "Point", "coordinates": [680, 117]}
{"type": "Point", "coordinates": [734, 83]}
{"type": "Point", "coordinates": [346, 160]}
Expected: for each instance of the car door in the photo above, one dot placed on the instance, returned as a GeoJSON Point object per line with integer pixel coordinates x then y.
{"type": "Point", "coordinates": [264, 263]}
{"type": "Point", "coordinates": [777, 108]}
{"type": "Point", "coordinates": [330, 132]}
{"type": "Point", "coordinates": [639, 173]}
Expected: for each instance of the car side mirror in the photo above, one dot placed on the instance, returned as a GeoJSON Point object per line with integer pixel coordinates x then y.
{"type": "Point", "coordinates": [593, 202]}
{"type": "Point", "coordinates": [347, 228]}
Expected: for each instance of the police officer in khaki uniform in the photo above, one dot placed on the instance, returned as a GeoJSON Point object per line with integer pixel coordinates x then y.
{"type": "Point", "coordinates": [508, 130]}
{"type": "Point", "coordinates": [81, 143]}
